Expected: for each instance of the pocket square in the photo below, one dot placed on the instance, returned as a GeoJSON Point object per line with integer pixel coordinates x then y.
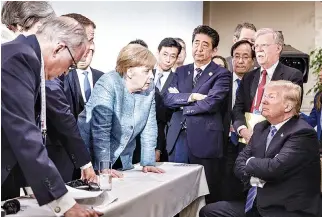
{"type": "Point", "coordinates": [173, 90]}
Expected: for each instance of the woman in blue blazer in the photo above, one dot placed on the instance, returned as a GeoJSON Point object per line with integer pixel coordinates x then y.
{"type": "Point", "coordinates": [314, 119]}
{"type": "Point", "coordinates": [122, 106]}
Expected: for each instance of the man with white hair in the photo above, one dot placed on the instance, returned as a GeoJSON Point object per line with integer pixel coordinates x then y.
{"type": "Point", "coordinates": [26, 63]}
{"type": "Point", "coordinates": [280, 166]}
{"type": "Point", "coordinates": [268, 47]}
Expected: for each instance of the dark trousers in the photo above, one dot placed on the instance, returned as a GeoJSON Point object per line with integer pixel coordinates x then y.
{"type": "Point", "coordinates": [11, 186]}
{"type": "Point", "coordinates": [180, 150]}
{"type": "Point", "coordinates": [237, 209]}
{"type": "Point", "coordinates": [232, 187]}
{"type": "Point", "coordinates": [212, 166]}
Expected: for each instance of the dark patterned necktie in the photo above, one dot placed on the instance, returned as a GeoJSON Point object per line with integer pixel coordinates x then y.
{"type": "Point", "coordinates": [199, 72]}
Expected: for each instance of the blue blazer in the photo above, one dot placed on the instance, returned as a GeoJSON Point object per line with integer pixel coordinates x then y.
{"type": "Point", "coordinates": [314, 118]}
{"type": "Point", "coordinates": [113, 117]}
{"type": "Point", "coordinates": [204, 118]}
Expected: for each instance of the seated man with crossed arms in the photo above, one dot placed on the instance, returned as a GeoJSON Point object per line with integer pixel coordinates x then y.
{"type": "Point", "coordinates": [280, 166]}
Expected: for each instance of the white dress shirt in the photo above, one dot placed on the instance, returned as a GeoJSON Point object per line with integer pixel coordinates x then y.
{"type": "Point", "coordinates": [164, 77]}
{"type": "Point", "coordinates": [81, 79]}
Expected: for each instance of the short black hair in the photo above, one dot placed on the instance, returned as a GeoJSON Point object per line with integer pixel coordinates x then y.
{"type": "Point", "coordinates": [140, 42]}
{"type": "Point", "coordinates": [238, 43]}
{"type": "Point", "coordinates": [207, 30]}
{"type": "Point", "coordinates": [222, 59]}
{"type": "Point", "coordinates": [170, 42]}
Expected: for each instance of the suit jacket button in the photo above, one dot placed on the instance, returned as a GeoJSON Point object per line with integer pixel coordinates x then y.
{"type": "Point", "coordinates": [8, 168]}
{"type": "Point", "coordinates": [57, 209]}
{"type": "Point", "coordinates": [73, 156]}
{"type": "Point", "coordinates": [131, 127]}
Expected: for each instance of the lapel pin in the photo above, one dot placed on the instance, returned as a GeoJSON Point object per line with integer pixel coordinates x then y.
{"type": "Point", "coordinates": [210, 73]}
{"type": "Point", "coordinates": [188, 72]}
{"type": "Point", "coordinates": [282, 135]}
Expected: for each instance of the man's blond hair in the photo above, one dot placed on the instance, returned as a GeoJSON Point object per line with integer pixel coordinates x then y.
{"type": "Point", "coordinates": [290, 92]}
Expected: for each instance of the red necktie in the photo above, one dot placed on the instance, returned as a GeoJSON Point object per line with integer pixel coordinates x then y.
{"type": "Point", "coordinates": [260, 91]}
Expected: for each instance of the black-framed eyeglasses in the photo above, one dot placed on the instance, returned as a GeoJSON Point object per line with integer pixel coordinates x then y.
{"type": "Point", "coordinates": [74, 65]}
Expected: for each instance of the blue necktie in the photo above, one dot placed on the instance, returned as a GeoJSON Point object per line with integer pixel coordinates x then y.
{"type": "Point", "coordinates": [250, 198]}
{"type": "Point", "coordinates": [233, 135]}
{"type": "Point", "coordinates": [87, 86]}
{"type": "Point", "coordinates": [195, 80]}
{"type": "Point", "coordinates": [253, 190]}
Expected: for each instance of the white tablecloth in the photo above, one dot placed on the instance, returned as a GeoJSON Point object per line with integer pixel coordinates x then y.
{"type": "Point", "coordinates": [180, 189]}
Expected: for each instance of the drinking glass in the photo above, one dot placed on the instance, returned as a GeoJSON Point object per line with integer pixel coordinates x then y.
{"type": "Point", "coordinates": [105, 175]}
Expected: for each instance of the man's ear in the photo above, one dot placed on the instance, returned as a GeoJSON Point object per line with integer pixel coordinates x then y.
{"type": "Point", "coordinates": [214, 52]}
{"type": "Point", "coordinates": [59, 48]}
{"type": "Point", "coordinates": [288, 108]}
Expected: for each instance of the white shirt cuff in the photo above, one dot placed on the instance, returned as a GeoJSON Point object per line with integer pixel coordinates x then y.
{"type": "Point", "coordinates": [254, 181]}
{"type": "Point", "coordinates": [29, 190]}
{"type": "Point", "coordinates": [189, 99]}
{"type": "Point", "coordinates": [62, 204]}
{"type": "Point", "coordinates": [249, 159]}
{"type": "Point", "coordinates": [240, 128]}
{"type": "Point", "coordinates": [88, 165]}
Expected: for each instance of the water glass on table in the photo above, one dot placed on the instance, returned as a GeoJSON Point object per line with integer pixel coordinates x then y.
{"type": "Point", "coordinates": [105, 175]}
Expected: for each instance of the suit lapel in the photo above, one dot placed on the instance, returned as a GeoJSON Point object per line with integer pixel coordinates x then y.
{"type": "Point", "coordinates": [188, 78]}
{"type": "Point", "coordinates": [278, 73]}
{"type": "Point", "coordinates": [95, 76]}
{"type": "Point", "coordinates": [78, 89]}
{"type": "Point", "coordinates": [254, 85]}
{"type": "Point", "coordinates": [206, 74]}
{"type": "Point", "coordinates": [276, 144]}
{"type": "Point", "coordinates": [167, 83]}
{"type": "Point", "coordinates": [263, 139]}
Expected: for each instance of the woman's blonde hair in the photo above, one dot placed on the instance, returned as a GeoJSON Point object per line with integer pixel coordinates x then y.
{"type": "Point", "coordinates": [134, 55]}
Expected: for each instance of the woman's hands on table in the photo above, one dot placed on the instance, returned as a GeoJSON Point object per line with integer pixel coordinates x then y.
{"type": "Point", "coordinates": [152, 169]}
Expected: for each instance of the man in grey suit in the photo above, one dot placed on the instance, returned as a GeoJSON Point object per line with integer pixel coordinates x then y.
{"type": "Point", "coordinates": [243, 31]}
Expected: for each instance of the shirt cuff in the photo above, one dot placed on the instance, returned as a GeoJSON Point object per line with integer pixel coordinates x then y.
{"type": "Point", "coordinates": [240, 128]}
{"type": "Point", "coordinates": [249, 159]}
{"type": "Point", "coordinates": [88, 165]}
{"type": "Point", "coordinates": [62, 204]}
{"type": "Point", "coordinates": [29, 190]}
{"type": "Point", "coordinates": [189, 99]}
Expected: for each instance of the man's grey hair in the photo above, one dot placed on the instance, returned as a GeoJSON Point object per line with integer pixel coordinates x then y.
{"type": "Point", "coordinates": [64, 29]}
{"type": "Point", "coordinates": [25, 13]}
{"type": "Point", "coordinates": [245, 25]}
{"type": "Point", "coordinates": [278, 36]}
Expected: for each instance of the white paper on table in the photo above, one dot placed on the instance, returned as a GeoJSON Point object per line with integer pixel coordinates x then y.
{"type": "Point", "coordinates": [82, 194]}
{"type": "Point", "coordinates": [99, 203]}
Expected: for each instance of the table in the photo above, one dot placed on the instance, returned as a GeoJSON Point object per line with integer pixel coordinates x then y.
{"type": "Point", "coordinates": [181, 189]}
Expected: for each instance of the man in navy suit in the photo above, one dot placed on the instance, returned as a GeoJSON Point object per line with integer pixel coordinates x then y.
{"type": "Point", "coordinates": [25, 64]}
{"type": "Point", "coordinates": [168, 52]}
{"type": "Point", "coordinates": [197, 93]}
{"type": "Point", "coordinates": [79, 83]}
{"type": "Point", "coordinates": [280, 167]}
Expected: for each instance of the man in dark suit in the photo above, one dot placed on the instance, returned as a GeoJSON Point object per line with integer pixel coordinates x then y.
{"type": "Point", "coordinates": [168, 52]}
{"type": "Point", "coordinates": [243, 62]}
{"type": "Point", "coordinates": [243, 31]}
{"type": "Point", "coordinates": [79, 83]}
{"type": "Point", "coordinates": [198, 92]}
{"type": "Point", "coordinates": [268, 47]}
{"type": "Point", "coordinates": [280, 166]}
{"type": "Point", "coordinates": [25, 64]}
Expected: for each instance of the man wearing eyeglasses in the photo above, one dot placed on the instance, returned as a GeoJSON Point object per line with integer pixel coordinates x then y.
{"type": "Point", "coordinates": [79, 82]}
{"type": "Point", "coordinates": [243, 61]}
{"type": "Point", "coordinates": [268, 47]}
